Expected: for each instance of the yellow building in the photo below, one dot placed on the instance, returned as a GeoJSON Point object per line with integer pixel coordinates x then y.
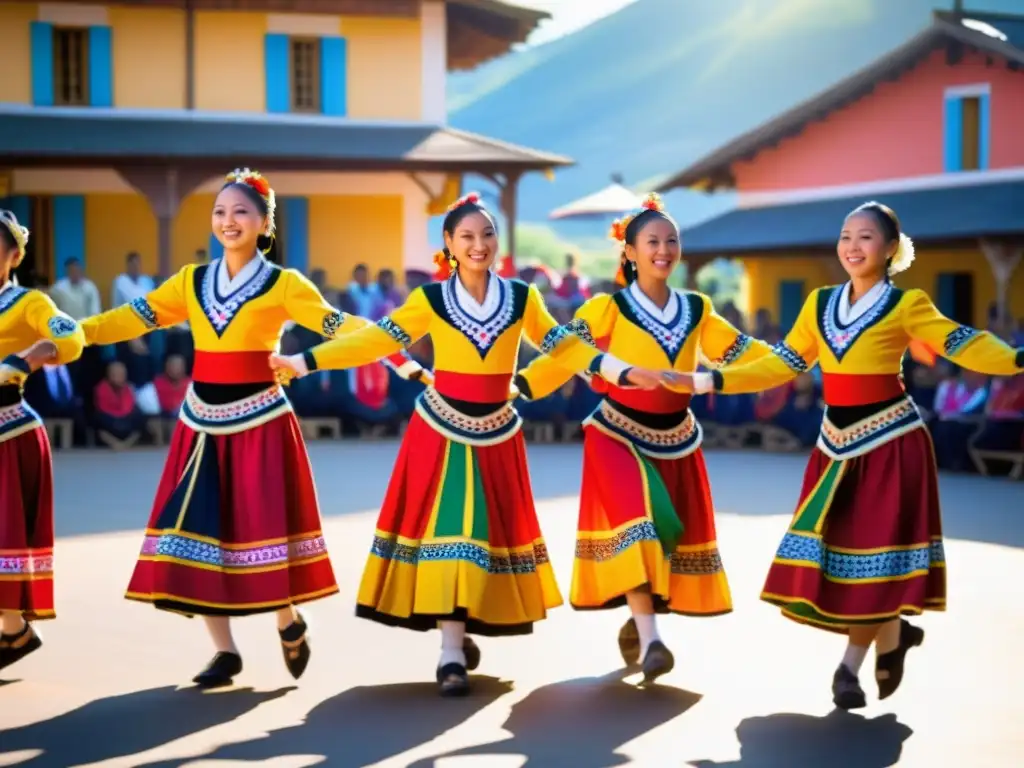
{"type": "Point", "coordinates": [118, 122]}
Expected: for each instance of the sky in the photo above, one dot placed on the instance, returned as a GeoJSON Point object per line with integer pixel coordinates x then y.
{"type": "Point", "coordinates": [569, 15]}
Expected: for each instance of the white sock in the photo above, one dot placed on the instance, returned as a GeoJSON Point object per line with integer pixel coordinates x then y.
{"type": "Point", "coordinates": [453, 634]}
{"type": "Point", "coordinates": [854, 657]}
{"type": "Point", "coordinates": [647, 629]}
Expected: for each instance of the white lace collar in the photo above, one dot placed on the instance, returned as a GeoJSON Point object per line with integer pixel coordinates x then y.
{"type": "Point", "coordinates": [226, 285]}
{"type": "Point", "coordinates": [849, 313]}
{"type": "Point", "coordinates": [471, 306]}
{"type": "Point", "coordinates": [663, 315]}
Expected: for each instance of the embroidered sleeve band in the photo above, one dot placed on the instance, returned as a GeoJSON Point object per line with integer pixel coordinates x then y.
{"type": "Point", "coordinates": [144, 312]}
{"type": "Point", "coordinates": [560, 333]}
{"type": "Point", "coordinates": [790, 357]}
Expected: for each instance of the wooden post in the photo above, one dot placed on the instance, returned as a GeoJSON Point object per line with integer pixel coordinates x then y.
{"type": "Point", "coordinates": [164, 189]}
{"type": "Point", "coordinates": [1003, 258]}
{"type": "Point", "coordinates": [509, 189]}
{"type": "Point", "coordinates": [190, 55]}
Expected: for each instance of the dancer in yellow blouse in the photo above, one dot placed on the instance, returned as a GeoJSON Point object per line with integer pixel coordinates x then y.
{"type": "Point", "coordinates": [235, 528]}
{"type": "Point", "coordinates": [865, 545]}
{"type": "Point", "coordinates": [646, 535]}
{"type": "Point", "coordinates": [458, 544]}
{"type": "Point", "coordinates": [32, 332]}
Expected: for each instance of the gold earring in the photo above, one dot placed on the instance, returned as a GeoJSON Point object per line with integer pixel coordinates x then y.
{"type": "Point", "coordinates": [453, 263]}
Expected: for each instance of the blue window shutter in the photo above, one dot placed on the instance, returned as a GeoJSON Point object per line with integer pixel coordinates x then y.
{"type": "Point", "coordinates": [791, 301]}
{"type": "Point", "coordinates": [42, 64]}
{"type": "Point", "coordinates": [279, 97]}
{"type": "Point", "coordinates": [215, 249]}
{"type": "Point", "coordinates": [68, 230]}
{"type": "Point", "coordinates": [296, 232]}
{"type": "Point", "coordinates": [334, 76]}
{"type": "Point", "coordinates": [945, 294]}
{"type": "Point", "coordinates": [953, 134]}
{"type": "Point", "coordinates": [101, 67]}
{"type": "Point", "coordinates": [984, 132]}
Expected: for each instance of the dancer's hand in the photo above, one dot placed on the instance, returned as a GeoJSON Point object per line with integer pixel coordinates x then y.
{"type": "Point", "coordinates": [690, 383]}
{"type": "Point", "coordinates": [287, 367]}
{"type": "Point", "coordinates": [13, 367]}
{"type": "Point", "coordinates": [644, 378]}
{"type": "Point", "coordinates": [39, 354]}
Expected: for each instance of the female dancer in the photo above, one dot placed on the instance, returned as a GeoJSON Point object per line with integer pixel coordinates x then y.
{"type": "Point", "coordinates": [458, 544]}
{"type": "Point", "coordinates": [29, 320]}
{"type": "Point", "coordinates": [865, 545]}
{"type": "Point", "coordinates": [646, 535]}
{"type": "Point", "coordinates": [235, 528]}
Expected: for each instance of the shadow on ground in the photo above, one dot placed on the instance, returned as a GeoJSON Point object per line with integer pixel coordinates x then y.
{"type": "Point", "coordinates": [125, 725]}
{"type": "Point", "coordinates": [347, 729]}
{"type": "Point", "coordinates": [580, 723]}
{"type": "Point", "coordinates": [838, 740]}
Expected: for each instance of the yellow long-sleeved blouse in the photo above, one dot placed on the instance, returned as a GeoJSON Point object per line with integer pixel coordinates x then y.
{"type": "Point", "coordinates": [631, 328]}
{"type": "Point", "coordinates": [465, 343]}
{"type": "Point", "coordinates": [27, 316]}
{"type": "Point", "coordinates": [872, 344]}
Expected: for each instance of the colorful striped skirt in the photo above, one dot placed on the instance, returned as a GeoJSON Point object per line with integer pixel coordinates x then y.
{"type": "Point", "coordinates": [235, 528]}
{"type": "Point", "coordinates": [26, 514]}
{"type": "Point", "coordinates": [865, 544]}
{"type": "Point", "coordinates": [458, 537]}
{"type": "Point", "coordinates": [646, 519]}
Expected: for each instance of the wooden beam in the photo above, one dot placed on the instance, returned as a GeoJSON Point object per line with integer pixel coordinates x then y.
{"type": "Point", "coordinates": [393, 8]}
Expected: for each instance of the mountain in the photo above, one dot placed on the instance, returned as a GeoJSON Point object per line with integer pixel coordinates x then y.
{"type": "Point", "coordinates": [648, 90]}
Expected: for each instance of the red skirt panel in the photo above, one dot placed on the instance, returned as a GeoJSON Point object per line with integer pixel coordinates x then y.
{"type": "Point", "coordinates": [26, 525]}
{"type": "Point", "coordinates": [235, 527]}
{"type": "Point", "coordinates": [628, 501]}
{"type": "Point", "coordinates": [458, 537]}
{"type": "Point", "coordinates": [865, 545]}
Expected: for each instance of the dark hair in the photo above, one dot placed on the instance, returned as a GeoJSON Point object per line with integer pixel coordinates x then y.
{"type": "Point", "coordinates": [71, 260]}
{"type": "Point", "coordinates": [636, 224]}
{"type": "Point", "coordinates": [457, 214]}
{"type": "Point", "coordinates": [264, 242]}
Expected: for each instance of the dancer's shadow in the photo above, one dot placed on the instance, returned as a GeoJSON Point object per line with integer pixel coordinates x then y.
{"type": "Point", "coordinates": [363, 726]}
{"type": "Point", "coordinates": [838, 740]}
{"type": "Point", "coordinates": [124, 725]}
{"type": "Point", "coordinates": [580, 723]}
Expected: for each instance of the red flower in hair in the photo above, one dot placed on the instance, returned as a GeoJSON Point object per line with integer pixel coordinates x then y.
{"type": "Point", "coordinates": [653, 202]}
{"type": "Point", "coordinates": [442, 267]}
{"type": "Point", "coordinates": [472, 197]}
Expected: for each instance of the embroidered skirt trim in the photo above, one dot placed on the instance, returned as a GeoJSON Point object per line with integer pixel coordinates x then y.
{"type": "Point", "coordinates": [231, 418]}
{"type": "Point", "coordinates": [16, 420]}
{"type": "Point", "coordinates": [458, 427]}
{"type": "Point", "coordinates": [866, 435]}
{"type": "Point", "coordinates": [674, 443]}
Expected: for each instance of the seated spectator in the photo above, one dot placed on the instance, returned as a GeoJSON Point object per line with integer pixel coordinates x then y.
{"type": "Point", "coordinates": [959, 405]}
{"type": "Point", "coordinates": [321, 395]}
{"type": "Point", "coordinates": [370, 405]}
{"type": "Point", "coordinates": [51, 392]}
{"type": "Point", "coordinates": [171, 386]}
{"type": "Point", "coordinates": [1004, 417]}
{"type": "Point", "coordinates": [138, 360]}
{"type": "Point", "coordinates": [802, 414]}
{"type": "Point", "coordinates": [119, 422]}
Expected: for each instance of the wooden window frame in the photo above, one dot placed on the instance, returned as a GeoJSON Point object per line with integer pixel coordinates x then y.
{"type": "Point", "coordinates": [59, 93]}
{"type": "Point", "coordinates": [317, 107]}
{"type": "Point", "coordinates": [970, 133]}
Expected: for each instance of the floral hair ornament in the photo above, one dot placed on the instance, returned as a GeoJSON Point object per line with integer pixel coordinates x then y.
{"type": "Point", "coordinates": [650, 203]}
{"type": "Point", "coordinates": [444, 267]}
{"type": "Point", "coordinates": [261, 186]}
{"type": "Point", "coordinates": [18, 232]}
{"type": "Point", "coordinates": [473, 198]}
{"type": "Point", "coordinates": [904, 255]}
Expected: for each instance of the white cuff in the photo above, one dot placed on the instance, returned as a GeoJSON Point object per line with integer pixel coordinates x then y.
{"type": "Point", "coordinates": [703, 383]}
{"type": "Point", "coordinates": [611, 368]}
{"type": "Point", "coordinates": [408, 369]}
{"type": "Point", "coordinates": [298, 362]}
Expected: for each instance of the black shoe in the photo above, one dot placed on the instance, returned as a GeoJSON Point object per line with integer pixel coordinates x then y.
{"type": "Point", "coordinates": [890, 665]}
{"type": "Point", "coordinates": [846, 690]}
{"type": "Point", "coordinates": [19, 645]}
{"type": "Point", "coordinates": [220, 672]}
{"type": "Point", "coordinates": [295, 646]}
{"type": "Point", "coordinates": [472, 651]}
{"type": "Point", "coordinates": [452, 680]}
{"type": "Point", "coordinates": [629, 643]}
{"type": "Point", "coordinates": [658, 661]}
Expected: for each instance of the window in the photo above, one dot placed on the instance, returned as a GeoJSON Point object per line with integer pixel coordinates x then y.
{"type": "Point", "coordinates": [70, 66]}
{"type": "Point", "coordinates": [966, 129]}
{"type": "Point", "coordinates": [305, 74]}
{"type": "Point", "coordinates": [970, 145]}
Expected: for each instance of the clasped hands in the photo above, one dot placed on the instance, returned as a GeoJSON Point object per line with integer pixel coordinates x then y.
{"type": "Point", "coordinates": [12, 368]}
{"type": "Point", "coordinates": [288, 367]}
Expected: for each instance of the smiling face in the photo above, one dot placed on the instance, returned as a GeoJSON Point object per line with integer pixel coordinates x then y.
{"type": "Point", "coordinates": [863, 250]}
{"type": "Point", "coordinates": [474, 242]}
{"type": "Point", "coordinates": [656, 249]}
{"type": "Point", "coordinates": [237, 220]}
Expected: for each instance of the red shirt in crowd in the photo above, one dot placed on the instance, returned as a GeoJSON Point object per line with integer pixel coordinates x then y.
{"type": "Point", "coordinates": [171, 393]}
{"type": "Point", "coordinates": [119, 402]}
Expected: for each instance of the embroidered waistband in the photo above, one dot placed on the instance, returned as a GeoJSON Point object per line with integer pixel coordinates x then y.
{"type": "Point", "coordinates": [238, 416]}
{"type": "Point", "coordinates": [16, 420]}
{"type": "Point", "coordinates": [491, 429]}
{"type": "Point", "coordinates": [866, 435]}
{"type": "Point", "coordinates": [672, 443]}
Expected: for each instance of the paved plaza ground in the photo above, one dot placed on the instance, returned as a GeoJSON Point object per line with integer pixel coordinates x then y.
{"type": "Point", "coordinates": [750, 690]}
